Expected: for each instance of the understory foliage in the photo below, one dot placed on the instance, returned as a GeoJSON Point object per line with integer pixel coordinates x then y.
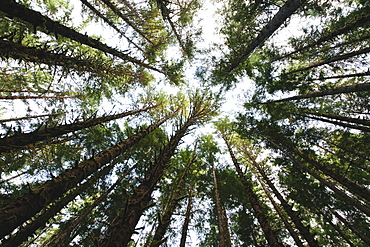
{"type": "Point", "coordinates": [118, 128]}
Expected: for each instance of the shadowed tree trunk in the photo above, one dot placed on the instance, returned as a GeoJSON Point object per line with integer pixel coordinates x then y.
{"type": "Point", "coordinates": [223, 226]}
{"type": "Point", "coordinates": [339, 90]}
{"type": "Point", "coordinates": [12, 97]}
{"type": "Point", "coordinates": [20, 210]}
{"type": "Point", "coordinates": [29, 117]}
{"type": "Point", "coordinates": [21, 140]}
{"type": "Point", "coordinates": [13, 9]}
{"type": "Point", "coordinates": [345, 125]}
{"type": "Point", "coordinates": [341, 76]}
{"type": "Point", "coordinates": [185, 226]}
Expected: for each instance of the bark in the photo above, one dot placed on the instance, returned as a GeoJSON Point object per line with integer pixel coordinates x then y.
{"type": "Point", "coordinates": [62, 236]}
{"type": "Point", "coordinates": [21, 140]}
{"type": "Point", "coordinates": [34, 55]}
{"type": "Point", "coordinates": [164, 218]}
{"type": "Point", "coordinates": [351, 227]}
{"type": "Point", "coordinates": [41, 220]}
{"type": "Point", "coordinates": [185, 226]}
{"type": "Point", "coordinates": [31, 91]}
{"type": "Point", "coordinates": [223, 226]}
{"type": "Point", "coordinates": [339, 90]}
{"type": "Point", "coordinates": [15, 10]}
{"type": "Point", "coordinates": [304, 230]}
{"type": "Point", "coordinates": [350, 200]}
{"type": "Point", "coordinates": [294, 235]}
{"type": "Point", "coordinates": [360, 20]}
{"type": "Point", "coordinates": [12, 97]}
{"type": "Point", "coordinates": [342, 76]}
{"type": "Point", "coordinates": [110, 23]}
{"type": "Point", "coordinates": [120, 231]}
{"type": "Point", "coordinates": [30, 117]}
{"type": "Point", "coordinates": [331, 60]}
{"type": "Point", "coordinates": [340, 118]}
{"type": "Point", "coordinates": [20, 210]}
{"type": "Point", "coordinates": [281, 16]}
{"type": "Point", "coordinates": [253, 199]}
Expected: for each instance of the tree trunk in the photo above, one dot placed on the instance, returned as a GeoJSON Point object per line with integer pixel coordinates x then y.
{"type": "Point", "coordinates": [340, 118]}
{"type": "Point", "coordinates": [304, 230]}
{"type": "Point", "coordinates": [341, 76]}
{"type": "Point", "coordinates": [339, 90]}
{"type": "Point", "coordinates": [26, 206]}
{"type": "Point", "coordinates": [43, 218]}
{"type": "Point", "coordinates": [34, 55]}
{"type": "Point", "coordinates": [253, 199]}
{"type": "Point", "coordinates": [21, 140]}
{"type": "Point", "coordinates": [30, 117]}
{"type": "Point", "coordinates": [12, 97]}
{"type": "Point", "coordinates": [331, 60]}
{"type": "Point", "coordinates": [65, 234]}
{"type": "Point", "coordinates": [164, 218]}
{"type": "Point", "coordinates": [223, 226]}
{"type": "Point", "coordinates": [15, 10]}
{"type": "Point", "coordinates": [281, 16]}
{"type": "Point", "coordinates": [185, 226]}
{"type": "Point", "coordinates": [348, 199]}
{"type": "Point", "coordinates": [345, 125]}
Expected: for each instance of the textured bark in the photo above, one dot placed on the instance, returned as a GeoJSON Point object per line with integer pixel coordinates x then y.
{"type": "Point", "coordinates": [29, 117]}
{"type": "Point", "coordinates": [21, 140]}
{"type": "Point", "coordinates": [339, 90]}
{"type": "Point", "coordinates": [329, 184]}
{"type": "Point", "coordinates": [15, 10]}
{"type": "Point", "coordinates": [223, 226]}
{"type": "Point", "coordinates": [345, 125]}
{"type": "Point", "coordinates": [164, 218]}
{"type": "Point", "coordinates": [304, 230]}
{"type": "Point", "coordinates": [331, 60]}
{"type": "Point", "coordinates": [20, 210]}
{"type": "Point", "coordinates": [120, 231]}
{"type": "Point", "coordinates": [185, 226]}
{"type": "Point", "coordinates": [65, 234]}
{"type": "Point", "coordinates": [253, 199]}
{"type": "Point", "coordinates": [43, 218]}
{"type": "Point", "coordinates": [35, 55]}
{"type": "Point", "coordinates": [281, 16]}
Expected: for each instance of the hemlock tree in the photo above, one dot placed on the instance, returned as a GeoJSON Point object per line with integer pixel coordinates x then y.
{"type": "Point", "coordinates": [106, 139]}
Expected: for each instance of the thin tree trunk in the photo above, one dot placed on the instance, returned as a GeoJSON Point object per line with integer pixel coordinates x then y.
{"type": "Point", "coordinates": [327, 183]}
{"type": "Point", "coordinates": [304, 230]}
{"type": "Point", "coordinates": [185, 226]}
{"type": "Point", "coordinates": [62, 236]}
{"type": "Point", "coordinates": [281, 16]}
{"type": "Point", "coordinates": [15, 10]}
{"type": "Point", "coordinates": [340, 118]}
{"type": "Point", "coordinates": [30, 117]}
{"type": "Point", "coordinates": [223, 226]}
{"type": "Point", "coordinates": [339, 90]}
{"type": "Point", "coordinates": [41, 220]}
{"type": "Point", "coordinates": [331, 60]}
{"type": "Point", "coordinates": [342, 76]}
{"type": "Point", "coordinates": [253, 198]}
{"type": "Point", "coordinates": [31, 91]}
{"type": "Point", "coordinates": [289, 227]}
{"type": "Point", "coordinates": [345, 125]}
{"type": "Point", "coordinates": [21, 140]}
{"type": "Point", "coordinates": [12, 97]}
{"type": "Point", "coordinates": [164, 218]}
{"type": "Point", "coordinates": [34, 55]}
{"type": "Point", "coordinates": [20, 210]}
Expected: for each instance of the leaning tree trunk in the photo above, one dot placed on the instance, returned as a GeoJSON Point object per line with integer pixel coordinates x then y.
{"type": "Point", "coordinates": [340, 118]}
{"type": "Point", "coordinates": [280, 17]}
{"type": "Point", "coordinates": [15, 10]}
{"type": "Point", "coordinates": [341, 76]}
{"type": "Point", "coordinates": [164, 218]}
{"type": "Point", "coordinates": [304, 230]}
{"type": "Point", "coordinates": [339, 90]}
{"type": "Point", "coordinates": [348, 199]}
{"type": "Point", "coordinates": [185, 226]}
{"type": "Point", "coordinates": [21, 140]}
{"type": "Point", "coordinates": [12, 97]}
{"type": "Point", "coordinates": [253, 199]}
{"type": "Point", "coordinates": [20, 210]}
{"type": "Point", "coordinates": [30, 117]}
{"type": "Point", "coordinates": [64, 236]}
{"type": "Point", "coordinates": [223, 226]}
{"type": "Point", "coordinates": [41, 220]}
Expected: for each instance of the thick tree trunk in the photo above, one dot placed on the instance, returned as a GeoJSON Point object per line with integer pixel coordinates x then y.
{"type": "Point", "coordinates": [331, 60]}
{"type": "Point", "coordinates": [15, 10]}
{"type": "Point", "coordinates": [44, 217]}
{"type": "Point", "coordinates": [253, 199]}
{"type": "Point", "coordinates": [223, 226]}
{"type": "Point", "coordinates": [281, 16]}
{"type": "Point", "coordinates": [26, 206]}
{"type": "Point", "coordinates": [64, 236]}
{"type": "Point", "coordinates": [304, 230]}
{"type": "Point", "coordinates": [339, 90]}
{"type": "Point", "coordinates": [21, 140]}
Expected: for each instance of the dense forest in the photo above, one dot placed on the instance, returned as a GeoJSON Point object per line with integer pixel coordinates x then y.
{"type": "Point", "coordinates": [184, 123]}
